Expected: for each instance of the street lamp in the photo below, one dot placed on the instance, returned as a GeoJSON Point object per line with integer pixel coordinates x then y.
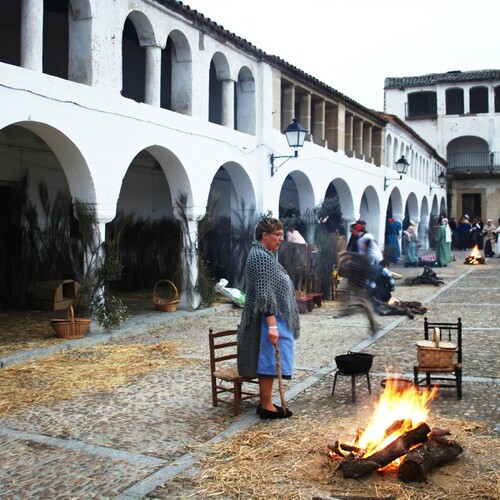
{"type": "Point", "coordinates": [295, 134]}
{"type": "Point", "coordinates": [401, 168]}
{"type": "Point", "coordinates": [441, 181]}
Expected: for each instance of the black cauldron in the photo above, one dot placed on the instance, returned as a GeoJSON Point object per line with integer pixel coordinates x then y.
{"type": "Point", "coordinates": [353, 363]}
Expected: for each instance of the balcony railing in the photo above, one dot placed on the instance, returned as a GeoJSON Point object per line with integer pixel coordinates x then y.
{"type": "Point", "coordinates": [477, 163]}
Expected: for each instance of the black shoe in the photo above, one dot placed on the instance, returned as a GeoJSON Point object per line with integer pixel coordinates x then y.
{"type": "Point", "coordinates": [279, 413]}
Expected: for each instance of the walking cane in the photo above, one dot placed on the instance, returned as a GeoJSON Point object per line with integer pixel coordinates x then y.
{"type": "Point", "coordinates": [280, 378]}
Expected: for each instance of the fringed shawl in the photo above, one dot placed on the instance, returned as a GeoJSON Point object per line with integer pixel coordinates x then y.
{"type": "Point", "coordinates": [269, 289]}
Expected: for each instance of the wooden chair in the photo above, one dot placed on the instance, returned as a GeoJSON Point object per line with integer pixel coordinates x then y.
{"type": "Point", "coordinates": [449, 332]}
{"type": "Point", "coordinates": [224, 372]}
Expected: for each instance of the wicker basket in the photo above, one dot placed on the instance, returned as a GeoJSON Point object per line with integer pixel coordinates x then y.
{"type": "Point", "coordinates": [430, 356]}
{"type": "Point", "coordinates": [70, 328]}
{"type": "Point", "coordinates": [166, 305]}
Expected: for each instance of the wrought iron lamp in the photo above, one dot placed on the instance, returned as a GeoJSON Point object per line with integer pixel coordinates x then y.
{"type": "Point", "coordinates": [295, 134]}
{"type": "Point", "coordinates": [441, 182]}
{"type": "Point", "coordinates": [401, 168]}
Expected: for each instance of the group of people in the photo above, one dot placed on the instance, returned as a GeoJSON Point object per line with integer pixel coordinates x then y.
{"type": "Point", "coordinates": [270, 317]}
{"type": "Point", "coordinates": [468, 233]}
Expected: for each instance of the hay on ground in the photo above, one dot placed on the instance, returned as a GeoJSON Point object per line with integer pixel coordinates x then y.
{"type": "Point", "coordinates": [288, 460]}
{"type": "Point", "coordinates": [62, 376]}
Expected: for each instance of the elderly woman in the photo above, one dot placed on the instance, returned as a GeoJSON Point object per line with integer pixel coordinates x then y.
{"type": "Point", "coordinates": [489, 237]}
{"type": "Point", "coordinates": [270, 316]}
{"type": "Point", "coordinates": [443, 244]}
{"type": "Point", "coordinates": [411, 253]}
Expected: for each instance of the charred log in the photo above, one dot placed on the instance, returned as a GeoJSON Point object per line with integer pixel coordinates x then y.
{"type": "Point", "coordinates": [431, 454]}
{"type": "Point", "coordinates": [401, 308]}
{"type": "Point", "coordinates": [428, 277]}
{"type": "Point", "coordinates": [352, 467]}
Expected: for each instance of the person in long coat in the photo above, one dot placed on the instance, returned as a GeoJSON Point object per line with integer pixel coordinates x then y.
{"type": "Point", "coordinates": [392, 236]}
{"type": "Point", "coordinates": [411, 253]}
{"type": "Point", "coordinates": [489, 239]}
{"type": "Point", "coordinates": [443, 244]}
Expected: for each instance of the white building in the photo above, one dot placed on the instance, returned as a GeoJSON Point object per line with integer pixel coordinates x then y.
{"type": "Point", "coordinates": [127, 105]}
{"type": "Point", "coordinates": [458, 114]}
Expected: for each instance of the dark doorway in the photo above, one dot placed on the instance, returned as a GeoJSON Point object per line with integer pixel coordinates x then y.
{"type": "Point", "coordinates": [471, 204]}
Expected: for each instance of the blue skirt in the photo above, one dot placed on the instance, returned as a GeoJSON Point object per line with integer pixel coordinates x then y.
{"type": "Point", "coordinates": [266, 365]}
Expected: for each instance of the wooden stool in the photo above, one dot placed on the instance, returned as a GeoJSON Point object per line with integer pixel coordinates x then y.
{"type": "Point", "coordinates": [353, 382]}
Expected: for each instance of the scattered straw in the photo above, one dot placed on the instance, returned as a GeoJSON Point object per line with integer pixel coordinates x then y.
{"type": "Point", "coordinates": [64, 375]}
{"type": "Point", "coordinates": [288, 460]}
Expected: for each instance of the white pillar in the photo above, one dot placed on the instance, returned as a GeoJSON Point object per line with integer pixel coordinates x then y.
{"type": "Point", "coordinates": [227, 118]}
{"type": "Point", "coordinates": [32, 34]}
{"type": "Point", "coordinates": [153, 75]}
{"type": "Point", "coordinates": [188, 219]}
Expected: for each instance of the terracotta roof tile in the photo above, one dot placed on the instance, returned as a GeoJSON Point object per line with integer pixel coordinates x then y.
{"type": "Point", "coordinates": [449, 77]}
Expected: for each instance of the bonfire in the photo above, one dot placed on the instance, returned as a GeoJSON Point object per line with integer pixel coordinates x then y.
{"type": "Point", "coordinates": [397, 435]}
{"type": "Point", "coordinates": [474, 257]}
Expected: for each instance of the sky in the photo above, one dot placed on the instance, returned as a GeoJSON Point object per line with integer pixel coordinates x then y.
{"type": "Point", "coordinates": [353, 45]}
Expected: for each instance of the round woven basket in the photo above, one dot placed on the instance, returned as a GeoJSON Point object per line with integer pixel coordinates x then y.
{"type": "Point", "coordinates": [168, 304]}
{"type": "Point", "coordinates": [71, 327]}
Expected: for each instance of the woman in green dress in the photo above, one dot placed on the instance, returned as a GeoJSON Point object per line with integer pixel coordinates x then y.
{"type": "Point", "coordinates": [443, 244]}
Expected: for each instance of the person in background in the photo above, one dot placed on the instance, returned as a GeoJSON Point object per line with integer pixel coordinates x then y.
{"type": "Point", "coordinates": [475, 230]}
{"type": "Point", "coordinates": [270, 316]}
{"type": "Point", "coordinates": [453, 226]}
{"type": "Point", "coordinates": [411, 253]}
{"type": "Point", "coordinates": [463, 231]}
{"type": "Point", "coordinates": [382, 284]}
{"type": "Point", "coordinates": [443, 244]}
{"type": "Point", "coordinates": [489, 238]}
{"type": "Point", "coordinates": [352, 244]}
{"type": "Point", "coordinates": [497, 239]}
{"type": "Point", "coordinates": [367, 245]}
{"type": "Point", "coordinates": [392, 237]}
{"type": "Point", "coordinates": [356, 268]}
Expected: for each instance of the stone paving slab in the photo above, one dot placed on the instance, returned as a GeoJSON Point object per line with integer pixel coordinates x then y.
{"type": "Point", "coordinates": [161, 416]}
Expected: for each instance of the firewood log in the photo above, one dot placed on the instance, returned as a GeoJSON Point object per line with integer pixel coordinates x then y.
{"type": "Point", "coordinates": [420, 460]}
{"type": "Point", "coordinates": [352, 467]}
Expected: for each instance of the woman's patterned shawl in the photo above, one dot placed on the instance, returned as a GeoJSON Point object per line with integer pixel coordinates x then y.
{"type": "Point", "coordinates": [269, 289]}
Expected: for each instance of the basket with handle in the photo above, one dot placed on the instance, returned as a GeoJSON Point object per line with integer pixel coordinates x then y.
{"type": "Point", "coordinates": [71, 327]}
{"type": "Point", "coordinates": [434, 353]}
{"type": "Point", "coordinates": [167, 304]}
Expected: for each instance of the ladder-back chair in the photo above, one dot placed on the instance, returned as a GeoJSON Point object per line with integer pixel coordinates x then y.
{"type": "Point", "coordinates": [226, 381]}
{"type": "Point", "coordinates": [450, 376]}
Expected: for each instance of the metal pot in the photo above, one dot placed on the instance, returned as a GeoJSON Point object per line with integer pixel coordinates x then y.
{"type": "Point", "coordinates": [353, 363]}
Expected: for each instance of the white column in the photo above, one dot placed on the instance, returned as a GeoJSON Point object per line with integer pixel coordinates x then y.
{"type": "Point", "coordinates": [32, 34]}
{"type": "Point", "coordinates": [227, 117]}
{"type": "Point", "coordinates": [153, 75]}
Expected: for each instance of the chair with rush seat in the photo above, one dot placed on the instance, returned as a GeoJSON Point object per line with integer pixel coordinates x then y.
{"type": "Point", "coordinates": [449, 374]}
{"type": "Point", "coordinates": [227, 385]}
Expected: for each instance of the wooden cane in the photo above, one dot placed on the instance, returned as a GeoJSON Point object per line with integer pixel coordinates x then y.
{"type": "Point", "coordinates": [280, 378]}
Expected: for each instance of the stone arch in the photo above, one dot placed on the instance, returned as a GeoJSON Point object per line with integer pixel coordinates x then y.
{"type": "Point", "coordinates": [219, 72]}
{"type": "Point", "coordinates": [369, 208]}
{"type": "Point", "coordinates": [231, 207]}
{"type": "Point", "coordinates": [176, 74]}
{"type": "Point", "coordinates": [137, 34]}
{"type": "Point", "coordinates": [464, 151]}
{"type": "Point", "coordinates": [245, 102]}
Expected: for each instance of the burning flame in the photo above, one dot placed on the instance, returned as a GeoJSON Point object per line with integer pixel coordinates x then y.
{"type": "Point", "coordinates": [398, 410]}
{"type": "Point", "coordinates": [475, 255]}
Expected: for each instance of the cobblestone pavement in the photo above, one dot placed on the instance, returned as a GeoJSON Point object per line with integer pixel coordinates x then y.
{"type": "Point", "coordinates": [126, 442]}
